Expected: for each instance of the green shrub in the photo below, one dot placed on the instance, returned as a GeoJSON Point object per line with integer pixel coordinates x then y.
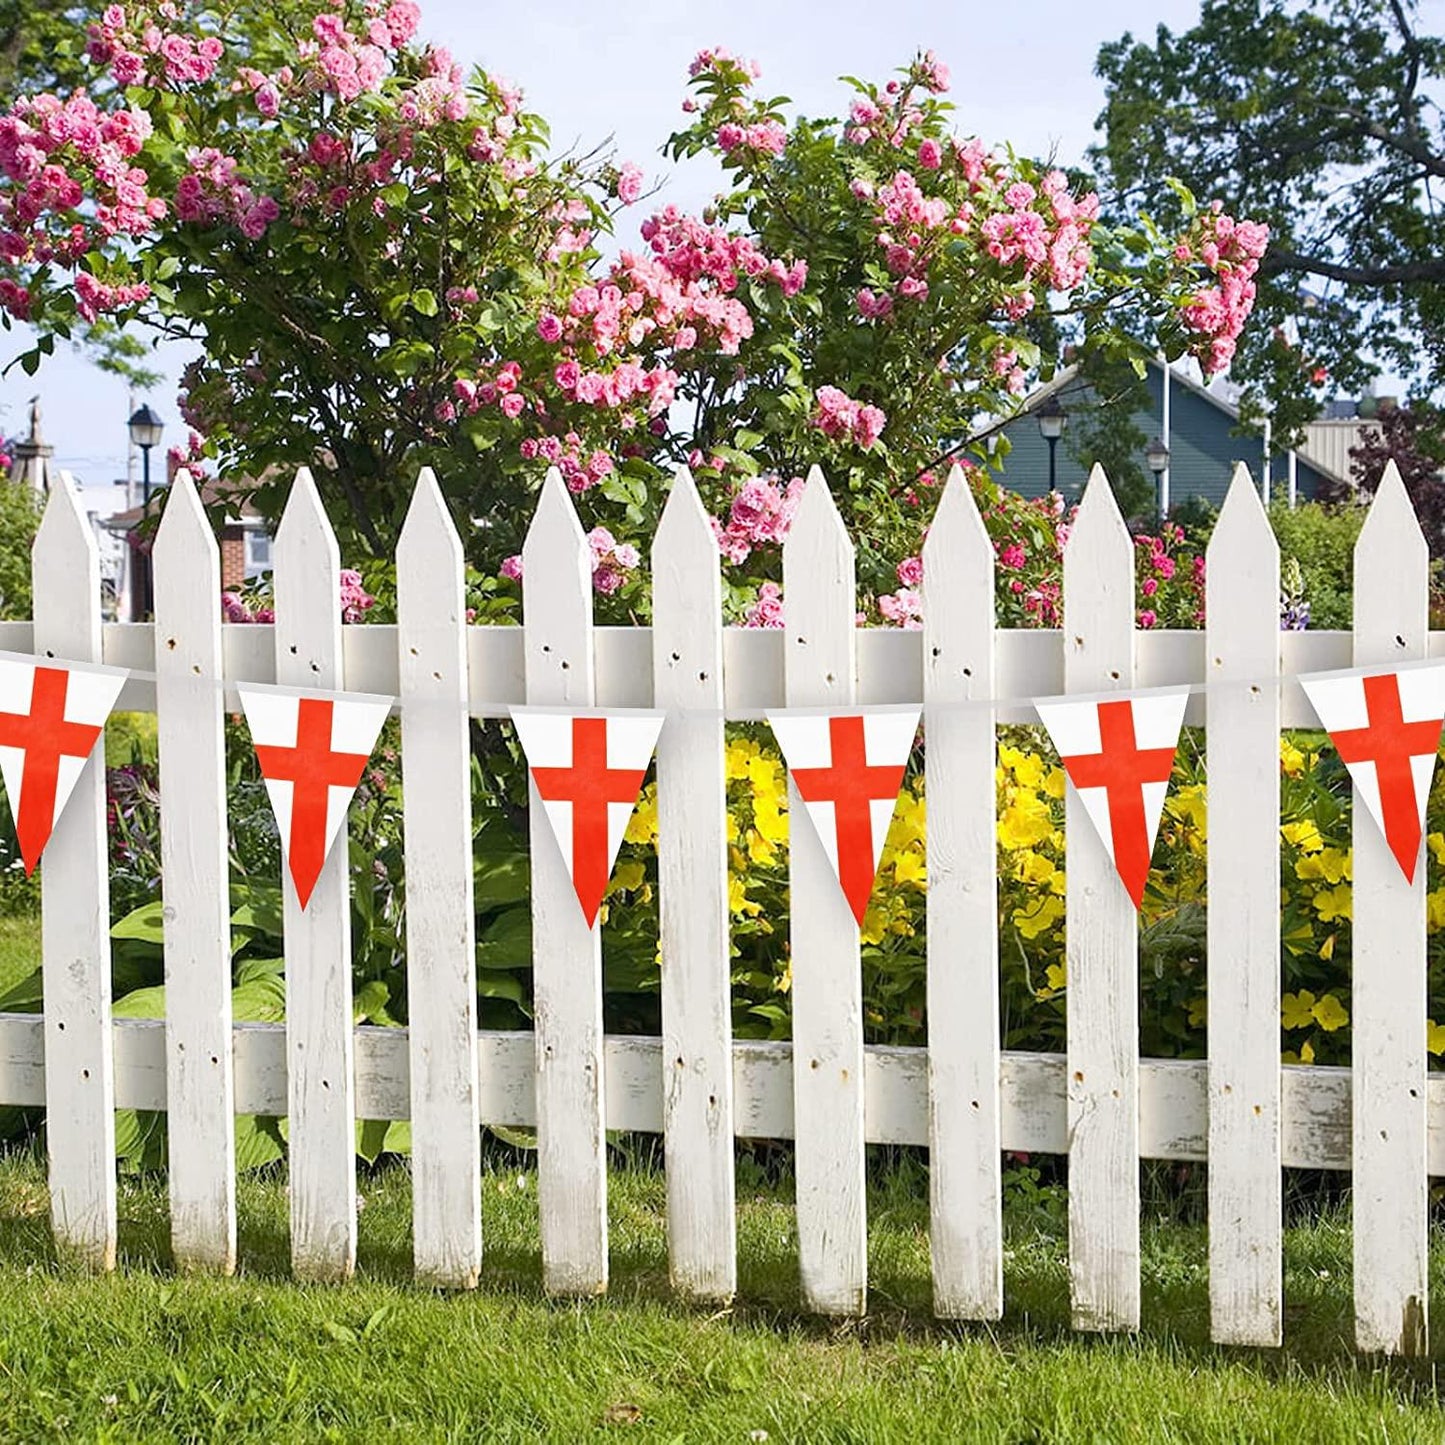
{"type": "Point", "coordinates": [19, 517]}
{"type": "Point", "coordinates": [1321, 539]}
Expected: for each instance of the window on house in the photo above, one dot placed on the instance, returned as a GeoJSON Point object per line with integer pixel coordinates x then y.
{"type": "Point", "coordinates": [258, 553]}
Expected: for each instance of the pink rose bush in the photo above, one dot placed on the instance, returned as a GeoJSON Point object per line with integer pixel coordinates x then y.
{"type": "Point", "coordinates": [384, 267]}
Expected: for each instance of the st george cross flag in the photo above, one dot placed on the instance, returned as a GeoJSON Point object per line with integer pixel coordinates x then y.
{"type": "Point", "coordinates": [588, 769]}
{"type": "Point", "coordinates": [312, 748]}
{"type": "Point", "coordinates": [51, 716]}
{"type": "Point", "coordinates": [1118, 754]}
{"type": "Point", "coordinates": [847, 768]}
{"type": "Point", "coordinates": [1386, 728]}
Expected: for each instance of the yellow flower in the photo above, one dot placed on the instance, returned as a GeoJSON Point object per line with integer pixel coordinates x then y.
{"type": "Point", "coordinates": [1435, 842]}
{"type": "Point", "coordinates": [909, 867]}
{"type": "Point", "coordinates": [1435, 910]}
{"type": "Point", "coordinates": [642, 825]}
{"type": "Point", "coordinates": [1028, 768]}
{"type": "Point", "coordinates": [1297, 1010]}
{"type": "Point", "coordinates": [1188, 805]}
{"type": "Point", "coordinates": [738, 901]}
{"type": "Point", "coordinates": [759, 849]}
{"type": "Point", "coordinates": [1333, 903]}
{"type": "Point", "coordinates": [1305, 836]}
{"type": "Point", "coordinates": [1198, 1012]}
{"type": "Point", "coordinates": [875, 924]}
{"type": "Point", "coordinates": [785, 978]}
{"type": "Point", "coordinates": [1025, 822]}
{"type": "Point", "coordinates": [1306, 1054]}
{"type": "Point", "coordinates": [1056, 979]}
{"type": "Point", "coordinates": [1054, 783]}
{"type": "Point", "coordinates": [1329, 864]}
{"type": "Point", "coordinates": [626, 877]}
{"type": "Point", "coordinates": [770, 820]}
{"type": "Point", "coordinates": [1291, 760]}
{"type": "Point", "coordinates": [908, 820]}
{"type": "Point", "coordinates": [1434, 1037]}
{"type": "Point", "coordinates": [740, 752]}
{"type": "Point", "coordinates": [1330, 1014]}
{"type": "Point", "coordinates": [1327, 948]}
{"type": "Point", "coordinates": [1034, 868]}
{"type": "Point", "coordinates": [1039, 917]}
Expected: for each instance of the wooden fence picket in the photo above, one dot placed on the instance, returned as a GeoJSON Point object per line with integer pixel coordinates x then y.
{"type": "Point", "coordinates": [440, 911]}
{"type": "Point", "coordinates": [687, 669]}
{"type": "Point", "coordinates": [1391, 1188]}
{"type": "Point", "coordinates": [75, 914]}
{"type": "Point", "coordinates": [1242, 741]}
{"type": "Point", "coordinates": [195, 885]}
{"type": "Point", "coordinates": [1102, 947]}
{"type": "Point", "coordinates": [566, 953]}
{"type": "Point", "coordinates": [321, 1089]}
{"type": "Point", "coordinates": [965, 1181]}
{"type": "Point", "coordinates": [819, 609]}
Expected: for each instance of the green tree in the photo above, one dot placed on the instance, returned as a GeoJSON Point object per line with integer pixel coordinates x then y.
{"type": "Point", "coordinates": [385, 268]}
{"type": "Point", "coordinates": [19, 517]}
{"type": "Point", "coordinates": [1324, 117]}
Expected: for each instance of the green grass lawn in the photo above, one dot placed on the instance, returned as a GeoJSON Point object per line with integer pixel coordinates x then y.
{"type": "Point", "coordinates": [19, 949]}
{"type": "Point", "coordinates": [146, 1355]}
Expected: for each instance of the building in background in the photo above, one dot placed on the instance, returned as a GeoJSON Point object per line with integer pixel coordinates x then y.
{"type": "Point", "coordinates": [1199, 429]}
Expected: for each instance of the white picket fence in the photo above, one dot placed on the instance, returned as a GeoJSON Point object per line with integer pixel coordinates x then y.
{"type": "Point", "coordinates": [961, 1097]}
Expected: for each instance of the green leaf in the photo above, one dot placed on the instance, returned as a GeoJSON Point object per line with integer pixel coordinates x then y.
{"type": "Point", "coordinates": [145, 923]}
{"type": "Point", "coordinates": [143, 1003]}
{"type": "Point", "coordinates": [424, 302]}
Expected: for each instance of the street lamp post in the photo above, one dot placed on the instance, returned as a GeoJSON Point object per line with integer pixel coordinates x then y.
{"type": "Point", "coordinates": [1052, 419]}
{"type": "Point", "coordinates": [1157, 456]}
{"type": "Point", "coordinates": [145, 431]}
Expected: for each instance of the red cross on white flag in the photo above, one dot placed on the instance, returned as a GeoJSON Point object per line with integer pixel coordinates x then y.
{"type": "Point", "coordinates": [51, 716]}
{"type": "Point", "coordinates": [1386, 729]}
{"type": "Point", "coordinates": [312, 748]}
{"type": "Point", "coordinates": [587, 769]}
{"type": "Point", "coordinates": [1118, 755]}
{"type": "Point", "coordinates": [847, 768]}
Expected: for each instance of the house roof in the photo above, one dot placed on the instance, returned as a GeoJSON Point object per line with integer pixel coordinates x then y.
{"type": "Point", "coordinates": [1326, 446]}
{"type": "Point", "coordinates": [216, 492]}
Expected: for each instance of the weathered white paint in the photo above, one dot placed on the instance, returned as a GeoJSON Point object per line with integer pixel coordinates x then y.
{"type": "Point", "coordinates": [1242, 610]}
{"type": "Point", "coordinates": [1102, 947]}
{"type": "Point", "coordinates": [75, 914]}
{"type": "Point", "coordinates": [1029, 663]}
{"type": "Point", "coordinates": [1173, 1093]}
{"type": "Point", "coordinates": [1390, 1191]}
{"type": "Point", "coordinates": [819, 607]}
{"type": "Point", "coordinates": [692, 867]}
{"type": "Point", "coordinates": [440, 911]}
{"type": "Point", "coordinates": [965, 1183]}
{"type": "Point", "coordinates": [195, 887]}
{"type": "Point", "coordinates": [321, 1106]}
{"type": "Point", "coordinates": [566, 953]}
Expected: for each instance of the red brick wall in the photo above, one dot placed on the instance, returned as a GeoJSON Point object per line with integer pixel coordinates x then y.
{"type": "Point", "coordinates": [233, 558]}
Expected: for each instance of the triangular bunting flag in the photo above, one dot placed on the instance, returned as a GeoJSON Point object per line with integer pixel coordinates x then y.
{"type": "Point", "coordinates": [1386, 729]}
{"type": "Point", "coordinates": [847, 768]}
{"type": "Point", "coordinates": [1118, 754]}
{"type": "Point", "coordinates": [51, 716]}
{"type": "Point", "coordinates": [312, 748]}
{"type": "Point", "coordinates": [588, 769]}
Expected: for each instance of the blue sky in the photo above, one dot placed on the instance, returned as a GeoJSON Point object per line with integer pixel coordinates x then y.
{"type": "Point", "coordinates": [1021, 73]}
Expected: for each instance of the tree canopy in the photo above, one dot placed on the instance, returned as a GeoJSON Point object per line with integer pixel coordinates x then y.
{"type": "Point", "coordinates": [385, 266]}
{"type": "Point", "coordinates": [1325, 119]}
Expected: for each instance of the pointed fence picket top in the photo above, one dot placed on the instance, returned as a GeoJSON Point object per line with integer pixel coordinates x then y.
{"type": "Point", "coordinates": [566, 953]}
{"type": "Point", "coordinates": [964, 1149]}
{"type": "Point", "coordinates": [1102, 947]}
{"type": "Point", "coordinates": [692, 864]}
{"type": "Point", "coordinates": [75, 913]}
{"type": "Point", "coordinates": [1243, 721]}
{"type": "Point", "coordinates": [440, 908]}
{"type": "Point", "coordinates": [195, 883]}
{"type": "Point", "coordinates": [1389, 1000]}
{"type": "Point", "coordinates": [321, 1090]}
{"type": "Point", "coordinates": [819, 609]}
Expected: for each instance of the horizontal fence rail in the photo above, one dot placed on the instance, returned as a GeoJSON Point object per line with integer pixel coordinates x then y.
{"type": "Point", "coordinates": [962, 1098]}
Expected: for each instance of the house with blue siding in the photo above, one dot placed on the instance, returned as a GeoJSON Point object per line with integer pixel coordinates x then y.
{"type": "Point", "coordinates": [1203, 438]}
